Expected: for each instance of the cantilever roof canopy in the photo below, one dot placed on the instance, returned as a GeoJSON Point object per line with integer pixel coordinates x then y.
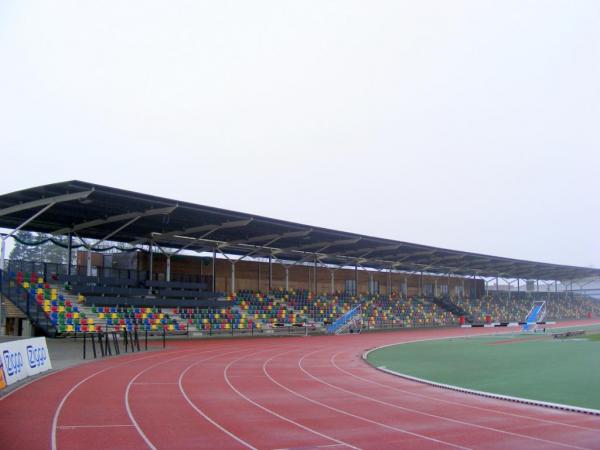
{"type": "Point", "coordinates": [104, 213]}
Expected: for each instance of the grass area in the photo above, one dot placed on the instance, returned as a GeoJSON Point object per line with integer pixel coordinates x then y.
{"type": "Point", "coordinates": [529, 366]}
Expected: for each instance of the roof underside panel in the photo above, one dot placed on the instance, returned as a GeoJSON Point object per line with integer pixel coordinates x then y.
{"type": "Point", "coordinates": [98, 212]}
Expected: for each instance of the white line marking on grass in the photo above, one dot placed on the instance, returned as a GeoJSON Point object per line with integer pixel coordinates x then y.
{"type": "Point", "coordinates": [526, 401]}
{"type": "Point", "coordinates": [270, 411]}
{"type": "Point", "coordinates": [434, 416]}
{"type": "Point", "coordinates": [451, 402]}
{"type": "Point", "coordinates": [365, 419]}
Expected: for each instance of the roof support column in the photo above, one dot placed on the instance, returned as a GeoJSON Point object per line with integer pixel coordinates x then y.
{"type": "Point", "coordinates": [462, 285]}
{"type": "Point", "coordinates": [168, 270]}
{"type": "Point", "coordinates": [232, 262]}
{"type": "Point", "coordinates": [421, 285]}
{"type": "Point", "coordinates": [270, 272]}
{"type": "Point", "coordinates": [332, 276]}
{"type": "Point", "coordinates": [2, 253]}
{"type": "Point", "coordinates": [150, 260]}
{"type": "Point", "coordinates": [69, 254]}
{"type": "Point", "coordinates": [214, 270]}
{"type": "Point", "coordinates": [356, 279]}
{"type": "Point", "coordinates": [287, 278]}
{"type": "Point", "coordinates": [389, 282]}
{"type": "Point", "coordinates": [315, 276]}
{"type": "Point", "coordinates": [89, 262]}
{"type": "Point", "coordinates": [435, 287]}
{"type": "Point", "coordinates": [405, 287]}
{"type": "Point", "coordinates": [497, 289]}
{"type": "Point", "coordinates": [258, 276]}
{"type": "Point", "coordinates": [371, 289]}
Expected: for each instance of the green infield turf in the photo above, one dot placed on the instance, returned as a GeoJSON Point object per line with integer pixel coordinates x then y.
{"type": "Point", "coordinates": [537, 367]}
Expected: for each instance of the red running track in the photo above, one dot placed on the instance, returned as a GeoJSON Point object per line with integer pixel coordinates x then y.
{"type": "Point", "coordinates": [304, 392]}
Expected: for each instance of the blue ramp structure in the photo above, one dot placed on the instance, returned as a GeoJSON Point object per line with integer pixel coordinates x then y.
{"type": "Point", "coordinates": [536, 314]}
{"type": "Point", "coordinates": [342, 322]}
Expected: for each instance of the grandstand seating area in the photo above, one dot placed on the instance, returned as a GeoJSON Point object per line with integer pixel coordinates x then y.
{"type": "Point", "coordinates": [70, 310]}
{"type": "Point", "coordinates": [381, 311]}
{"type": "Point", "coordinates": [514, 308]}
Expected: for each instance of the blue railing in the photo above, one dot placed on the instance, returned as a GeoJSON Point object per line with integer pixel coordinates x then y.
{"type": "Point", "coordinates": [532, 318]}
{"type": "Point", "coordinates": [343, 320]}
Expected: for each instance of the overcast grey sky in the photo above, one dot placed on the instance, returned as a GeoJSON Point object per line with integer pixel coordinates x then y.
{"type": "Point", "coordinates": [472, 125]}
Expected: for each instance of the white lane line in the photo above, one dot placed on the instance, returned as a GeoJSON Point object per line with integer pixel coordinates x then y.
{"type": "Point", "coordinates": [270, 411]}
{"type": "Point", "coordinates": [132, 381]}
{"type": "Point", "coordinates": [74, 388]}
{"type": "Point", "coordinates": [202, 413]}
{"type": "Point", "coordinates": [75, 427]}
{"type": "Point", "coordinates": [451, 402]}
{"type": "Point", "coordinates": [422, 413]}
{"type": "Point", "coordinates": [314, 446]}
{"type": "Point", "coordinates": [346, 413]}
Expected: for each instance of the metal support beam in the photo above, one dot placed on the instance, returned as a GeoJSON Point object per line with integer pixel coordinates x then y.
{"type": "Point", "coordinates": [270, 272]}
{"type": "Point", "coordinates": [315, 277]}
{"type": "Point", "coordinates": [23, 224]}
{"type": "Point", "coordinates": [332, 275]}
{"type": "Point", "coordinates": [69, 253]}
{"type": "Point", "coordinates": [150, 260]}
{"type": "Point", "coordinates": [2, 253]}
{"type": "Point", "coordinates": [45, 201]}
{"type": "Point", "coordinates": [497, 288]}
{"type": "Point", "coordinates": [89, 262]}
{"type": "Point", "coordinates": [356, 279]}
{"type": "Point", "coordinates": [214, 270]}
{"type": "Point", "coordinates": [168, 270]}
{"type": "Point", "coordinates": [287, 278]}
{"type": "Point", "coordinates": [232, 262]}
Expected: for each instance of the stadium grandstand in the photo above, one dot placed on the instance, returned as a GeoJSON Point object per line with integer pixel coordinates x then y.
{"type": "Point", "coordinates": [149, 263]}
{"type": "Point", "coordinates": [165, 298]}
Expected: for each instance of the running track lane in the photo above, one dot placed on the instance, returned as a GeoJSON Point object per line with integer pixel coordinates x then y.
{"type": "Point", "coordinates": [272, 393]}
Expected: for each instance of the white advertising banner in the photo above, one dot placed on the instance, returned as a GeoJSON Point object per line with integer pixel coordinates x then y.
{"type": "Point", "coordinates": [24, 358]}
